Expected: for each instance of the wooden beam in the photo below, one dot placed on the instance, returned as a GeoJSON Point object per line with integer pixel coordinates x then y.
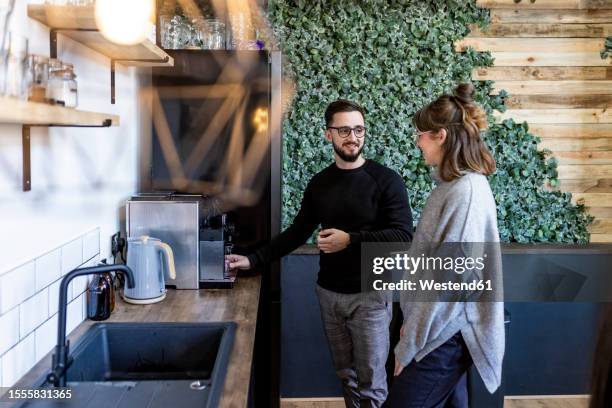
{"type": "Point", "coordinates": [557, 116]}
{"type": "Point", "coordinates": [600, 212]}
{"type": "Point", "coordinates": [588, 186]}
{"type": "Point", "coordinates": [581, 131]}
{"type": "Point", "coordinates": [551, 16]}
{"type": "Point", "coordinates": [549, 59]}
{"type": "Point", "coordinates": [587, 172]}
{"type": "Point", "coordinates": [543, 30]}
{"type": "Point", "coordinates": [601, 226]}
{"type": "Point", "coordinates": [583, 157]}
{"type": "Point", "coordinates": [541, 73]}
{"type": "Point", "coordinates": [534, 45]}
{"type": "Point", "coordinates": [545, 4]}
{"type": "Point", "coordinates": [557, 101]}
{"type": "Point", "coordinates": [600, 238]}
{"type": "Point", "coordinates": [554, 87]}
{"type": "Point", "coordinates": [576, 145]}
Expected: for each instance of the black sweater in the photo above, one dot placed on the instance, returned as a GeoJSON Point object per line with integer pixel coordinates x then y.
{"type": "Point", "coordinates": [370, 203]}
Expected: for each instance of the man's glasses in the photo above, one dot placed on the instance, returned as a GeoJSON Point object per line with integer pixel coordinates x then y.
{"type": "Point", "coordinates": [345, 131]}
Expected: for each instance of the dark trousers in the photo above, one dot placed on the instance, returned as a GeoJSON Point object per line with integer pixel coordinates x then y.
{"type": "Point", "coordinates": [437, 381]}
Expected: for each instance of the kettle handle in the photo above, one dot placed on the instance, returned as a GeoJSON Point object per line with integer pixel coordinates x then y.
{"type": "Point", "coordinates": [165, 248]}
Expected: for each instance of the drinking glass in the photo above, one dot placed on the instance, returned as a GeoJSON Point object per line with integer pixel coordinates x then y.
{"type": "Point", "coordinates": [171, 32]}
{"type": "Point", "coordinates": [214, 35]}
{"type": "Point", "coordinates": [13, 57]}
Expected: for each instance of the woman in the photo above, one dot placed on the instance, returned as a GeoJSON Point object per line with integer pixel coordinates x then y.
{"type": "Point", "coordinates": [441, 340]}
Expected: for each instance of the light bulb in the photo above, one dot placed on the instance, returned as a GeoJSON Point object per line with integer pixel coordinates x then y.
{"type": "Point", "coordinates": [124, 22]}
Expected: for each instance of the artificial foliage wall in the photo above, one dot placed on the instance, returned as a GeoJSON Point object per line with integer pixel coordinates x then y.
{"type": "Point", "coordinates": [393, 57]}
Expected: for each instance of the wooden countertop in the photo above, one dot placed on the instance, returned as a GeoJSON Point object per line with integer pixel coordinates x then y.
{"type": "Point", "coordinates": [207, 305]}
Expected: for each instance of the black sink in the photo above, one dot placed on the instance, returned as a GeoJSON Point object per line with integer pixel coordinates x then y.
{"type": "Point", "coordinates": [149, 364]}
{"type": "Point", "coordinates": [151, 351]}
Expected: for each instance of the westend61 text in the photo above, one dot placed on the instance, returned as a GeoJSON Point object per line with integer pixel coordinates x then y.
{"type": "Point", "coordinates": [432, 285]}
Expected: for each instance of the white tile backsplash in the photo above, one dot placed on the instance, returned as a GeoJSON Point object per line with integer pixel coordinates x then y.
{"type": "Point", "coordinates": [18, 360]}
{"type": "Point", "coordinates": [29, 297]}
{"type": "Point", "coordinates": [72, 255]}
{"type": "Point", "coordinates": [91, 244]}
{"type": "Point", "coordinates": [16, 286]}
{"type": "Point", "coordinates": [33, 312]}
{"type": "Point", "coordinates": [9, 327]}
{"type": "Point", "coordinates": [75, 314]}
{"type": "Point", "coordinates": [79, 285]}
{"type": "Point", "coordinates": [48, 268]}
{"type": "Point", "coordinates": [54, 297]}
{"type": "Point", "coordinates": [46, 337]}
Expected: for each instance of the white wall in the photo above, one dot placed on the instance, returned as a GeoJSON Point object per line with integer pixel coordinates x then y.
{"type": "Point", "coordinates": [80, 177]}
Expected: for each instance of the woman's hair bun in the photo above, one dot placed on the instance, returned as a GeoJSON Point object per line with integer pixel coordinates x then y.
{"type": "Point", "coordinates": [465, 93]}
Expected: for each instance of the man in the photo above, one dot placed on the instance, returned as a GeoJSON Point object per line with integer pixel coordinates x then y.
{"type": "Point", "coordinates": [354, 200]}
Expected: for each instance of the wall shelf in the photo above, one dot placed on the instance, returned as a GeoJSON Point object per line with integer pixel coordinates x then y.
{"type": "Point", "coordinates": [42, 114]}
{"type": "Point", "coordinates": [78, 23]}
{"type": "Point", "coordinates": [28, 114]}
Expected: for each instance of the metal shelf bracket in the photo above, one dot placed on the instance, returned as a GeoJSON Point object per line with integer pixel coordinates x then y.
{"type": "Point", "coordinates": [114, 61]}
{"type": "Point", "coordinates": [53, 54]}
{"type": "Point", "coordinates": [25, 147]}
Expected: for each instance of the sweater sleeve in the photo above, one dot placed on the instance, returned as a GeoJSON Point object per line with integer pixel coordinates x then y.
{"type": "Point", "coordinates": [304, 224]}
{"type": "Point", "coordinates": [395, 216]}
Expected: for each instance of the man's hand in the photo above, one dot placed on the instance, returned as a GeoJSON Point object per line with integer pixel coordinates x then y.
{"type": "Point", "coordinates": [238, 261]}
{"type": "Point", "coordinates": [332, 240]}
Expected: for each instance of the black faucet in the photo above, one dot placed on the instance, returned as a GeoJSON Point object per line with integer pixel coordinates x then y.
{"type": "Point", "coordinates": [61, 362]}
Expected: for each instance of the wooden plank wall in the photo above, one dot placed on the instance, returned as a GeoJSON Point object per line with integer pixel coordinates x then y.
{"type": "Point", "coordinates": [547, 57]}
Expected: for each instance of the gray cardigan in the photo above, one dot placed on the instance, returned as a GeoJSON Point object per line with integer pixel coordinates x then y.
{"type": "Point", "coordinates": [462, 210]}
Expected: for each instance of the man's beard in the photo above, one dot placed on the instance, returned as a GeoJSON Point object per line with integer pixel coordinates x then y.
{"type": "Point", "coordinates": [347, 157]}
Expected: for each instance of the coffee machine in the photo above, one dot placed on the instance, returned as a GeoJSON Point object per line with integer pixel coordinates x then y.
{"type": "Point", "coordinates": [198, 234]}
{"type": "Point", "coordinates": [216, 235]}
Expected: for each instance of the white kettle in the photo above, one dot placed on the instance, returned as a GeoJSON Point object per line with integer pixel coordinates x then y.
{"type": "Point", "coordinates": [149, 259]}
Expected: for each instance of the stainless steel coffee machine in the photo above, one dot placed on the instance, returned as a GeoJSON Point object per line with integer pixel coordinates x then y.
{"type": "Point", "coordinates": [189, 224]}
{"type": "Point", "coordinates": [216, 241]}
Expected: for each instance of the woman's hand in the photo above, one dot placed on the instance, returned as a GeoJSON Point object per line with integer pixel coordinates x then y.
{"type": "Point", "coordinates": [398, 366]}
{"type": "Point", "coordinates": [332, 240]}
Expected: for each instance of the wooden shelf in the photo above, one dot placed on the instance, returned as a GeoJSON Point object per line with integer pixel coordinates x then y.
{"type": "Point", "coordinates": [41, 114]}
{"type": "Point", "coordinates": [29, 114]}
{"type": "Point", "coordinates": [68, 19]}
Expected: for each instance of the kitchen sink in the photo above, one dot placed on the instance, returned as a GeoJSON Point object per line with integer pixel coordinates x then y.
{"type": "Point", "coordinates": [149, 364]}
{"type": "Point", "coordinates": [145, 351]}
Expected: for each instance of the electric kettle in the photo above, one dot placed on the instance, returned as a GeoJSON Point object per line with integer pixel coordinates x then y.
{"type": "Point", "coordinates": [149, 259]}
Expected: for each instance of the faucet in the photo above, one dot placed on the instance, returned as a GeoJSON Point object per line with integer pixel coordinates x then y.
{"type": "Point", "coordinates": [61, 362]}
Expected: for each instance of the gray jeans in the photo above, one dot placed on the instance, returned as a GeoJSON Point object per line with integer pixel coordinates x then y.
{"type": "Point", "coordinates": [357, 330]}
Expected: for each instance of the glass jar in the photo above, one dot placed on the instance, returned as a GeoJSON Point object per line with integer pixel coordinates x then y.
{"type": "Point", "coordinates": [54, 81]}
{"type": "Point", "coordinates": [213, 35]}
{"type": "Point", "coordinates": [38, 77]}
{"type": "Point", "coordinates": [62, 87]}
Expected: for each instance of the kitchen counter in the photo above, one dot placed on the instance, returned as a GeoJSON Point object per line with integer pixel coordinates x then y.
{"type": "Point", "coordinates": [238, 305]}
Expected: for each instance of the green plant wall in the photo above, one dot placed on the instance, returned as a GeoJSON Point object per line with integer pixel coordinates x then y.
{"type": "Point", "coordinates": [393, 57]}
